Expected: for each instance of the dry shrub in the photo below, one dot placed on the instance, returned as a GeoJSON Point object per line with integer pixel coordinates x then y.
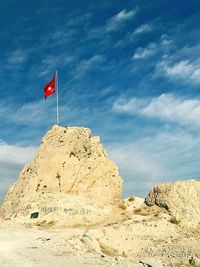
{"type": "Point", "coordinates": [45, 224]}
{"type": "Point", "coordinates": [137, 211]}
{"type": "Point", "coordinates": [142, 211]}
{"type": "Point", "coordinates": [41, 223]}
{"type": "Point", "coordinates": [174, 220]}
{"type": "Point", "coordinates": [122, 205]}
{"type": "Point", "coordinates": [51, 223]}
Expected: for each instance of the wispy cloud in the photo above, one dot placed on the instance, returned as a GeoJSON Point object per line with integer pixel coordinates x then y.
{"type": "Point", "coordinates": [17, 57]}
{"type": "Point", "coordinates": [88, 64]}
{"type": "Point", "coordinates": [166, 42]}
{"type": "Point", "coordinates": [18, 114]}
{"type": "Point", "coordinates": [66, 32]}
{"type": "Point", "coordinates": [148, 51]}
{"type": "Point", "coordinates": [162, 46]}
{"type": "Point", "coordinates": [113, 24]}
{"type": "Point", "coordinates": [51, 63]}
{"type": "Point", "coordinates": [183, 70]}
{"type": "Point", "coordinates": [107, 90]}
{"type": "Point", "coordinates": [165, 107]}
{"type": "Point", "coordinates": [161, 157]}
{"type": "Point", "coordinates": [144, 28]}
{"type": "Point", "coordinates": [116, 21]}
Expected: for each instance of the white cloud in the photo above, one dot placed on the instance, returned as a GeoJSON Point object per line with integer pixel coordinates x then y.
{"type": "Point", "coordinates": [196, 75]}
{"type": "Point", "coordinates": [124, 15]}
{"type": "Point", "coordinates": [12, 160]}
{"type": "Point", "coordinates": [166, 107]}
{"type": "Point", "coordinates": [166, 42]}
{"type": "Point", "coordinates": [165, 156]}
{"type": "Point", "coordinates": [15, 155]}
{"type": "Point", "coordinates": [116, 21]}
{"type": "Point", "coordinates": [113, 24]}
{"type": "Point", "coordinates": [162, 46]}
{"type": "Point", "coordinates": [180, 69]}
{"type": "Point", "coordinates": [143, 28]}
{"type": "Point", "coordinates": [183, 70]}
{"type": "Point", "coordinates": [145, 52]}
{"type": "Point", "coordinates": [8, 177]}
{"type": "Point", "coordinates": [133, 159]}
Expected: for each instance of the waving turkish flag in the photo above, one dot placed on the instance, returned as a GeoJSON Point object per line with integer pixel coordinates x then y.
{"type": "Point", "coordinates": [50, 87]}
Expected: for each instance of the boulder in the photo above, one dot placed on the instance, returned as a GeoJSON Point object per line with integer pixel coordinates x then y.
{"type": "Point", "coordinates": [181, 199]}
{"type": "Point", "coordinates": [71, 170]}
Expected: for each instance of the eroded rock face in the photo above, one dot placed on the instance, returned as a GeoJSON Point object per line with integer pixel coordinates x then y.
{"type": "Point", "coordinates": [68, 162]}
{"type": "Point", "coordinates": [181, 199]}
{"type": "Point", "coordinates": [1, 215]}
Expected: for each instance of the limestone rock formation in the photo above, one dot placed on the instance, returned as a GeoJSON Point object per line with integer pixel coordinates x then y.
{"type": "Point", "coordinates": [1, 211]}
{"type": "Point", "coordinates": [181, 199]}
{"type": "Point", "coordinates": [70, 171]}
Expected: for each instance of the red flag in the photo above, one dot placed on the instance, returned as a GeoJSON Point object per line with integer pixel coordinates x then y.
{"type": "Point", "coordinates": [50, 87]}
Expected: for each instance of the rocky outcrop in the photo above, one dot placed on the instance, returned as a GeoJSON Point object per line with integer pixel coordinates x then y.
{"type": "Point", "coordinates": [1, 215]}
{"type": "Point", "coordinates": [181, 199]}
{"type": "Point", "coordinates": [70, 171]}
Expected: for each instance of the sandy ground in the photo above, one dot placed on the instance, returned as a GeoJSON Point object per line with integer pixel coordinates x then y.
{"type": "Point", "coordinates": [65, 247]}
{"type": "Point", "coordinates": [27, 248]}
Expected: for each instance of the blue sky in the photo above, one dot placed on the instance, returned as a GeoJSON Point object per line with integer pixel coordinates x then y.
{"type": "Point", "coordinates": [129, 70]}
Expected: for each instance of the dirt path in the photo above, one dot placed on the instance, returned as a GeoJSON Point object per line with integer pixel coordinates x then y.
{"type": "Point", "coordinates": [30, 248]}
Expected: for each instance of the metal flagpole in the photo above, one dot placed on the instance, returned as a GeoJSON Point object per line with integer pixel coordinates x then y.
{"type": "Point", "coordinates": [57, 97]}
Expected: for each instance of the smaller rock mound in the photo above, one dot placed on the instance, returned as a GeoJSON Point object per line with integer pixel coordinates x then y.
{"type": "Point", "coordinates": [181, 199]}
